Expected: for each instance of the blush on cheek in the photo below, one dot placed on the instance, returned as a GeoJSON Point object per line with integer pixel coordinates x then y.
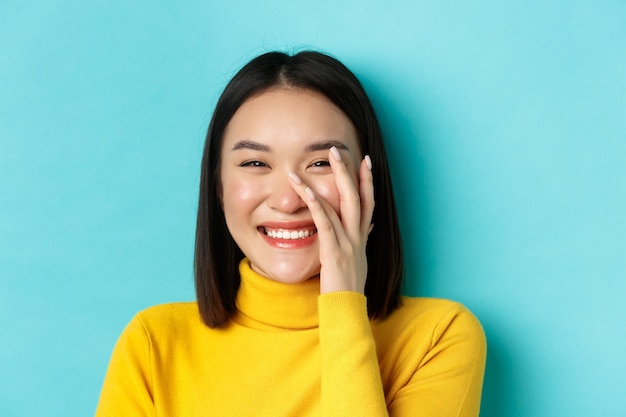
{"type": "Point", "coordinates": [239, 191]}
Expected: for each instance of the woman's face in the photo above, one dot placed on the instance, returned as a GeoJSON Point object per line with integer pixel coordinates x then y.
{"type": "Point", "coordinates": [272, 134]}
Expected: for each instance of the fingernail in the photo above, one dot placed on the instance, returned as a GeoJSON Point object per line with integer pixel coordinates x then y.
{"type": "Point", "coordinates": [368, 162]}
{"type": "Point", "coordinates": [295, 178]}
{"type": "Point", "coordinates": [309, 193]}
{"type": "Point", "coordinates": [336, 153]}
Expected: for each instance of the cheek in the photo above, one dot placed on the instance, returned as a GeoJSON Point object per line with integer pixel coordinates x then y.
{"type": "Point", "coordinates": [327, 189]}
{"type": "Point", "coordinates": [237, 195]}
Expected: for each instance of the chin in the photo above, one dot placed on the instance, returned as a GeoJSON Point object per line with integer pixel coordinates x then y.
{"type": "Point", "coordinates": [288, 273]}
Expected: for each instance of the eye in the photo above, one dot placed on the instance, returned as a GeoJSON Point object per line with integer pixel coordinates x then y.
{"type": "Point", "coordinates": [254, 164]}
{"type": "Point", "coordinates": [320, 163]}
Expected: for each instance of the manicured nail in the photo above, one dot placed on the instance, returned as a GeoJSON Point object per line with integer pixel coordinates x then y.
{"type": "Point", "coordinates": [368, 162]}
{"type": "Point", "coordinates": [336, 153]}
{"type": "Point", "coordinates": [295, 178]}
{"type": "Point", "coordinates": [309, 193]}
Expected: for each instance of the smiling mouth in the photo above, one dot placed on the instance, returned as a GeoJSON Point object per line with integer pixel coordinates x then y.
{"type": "Point", "coordinates": [289, 234]}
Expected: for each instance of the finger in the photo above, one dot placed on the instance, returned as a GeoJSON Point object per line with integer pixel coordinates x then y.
{"type": "Point", "coordinates": [366, 192]}
{"type": "Point", "coordinates": [349, 200]}
{"type": "Point", "coordinates": [326, 221]}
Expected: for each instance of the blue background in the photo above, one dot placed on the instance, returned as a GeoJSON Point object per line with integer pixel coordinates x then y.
{"type": "Point", "coordinates": [506, 128]}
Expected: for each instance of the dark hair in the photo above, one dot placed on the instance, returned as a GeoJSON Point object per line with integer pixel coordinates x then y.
{"type": "Point", "coordinates": [217, 256]}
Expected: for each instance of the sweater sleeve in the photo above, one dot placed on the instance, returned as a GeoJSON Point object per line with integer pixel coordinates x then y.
{"type": "Point", "coordinates": [447, 380]}
{"type": "Point", "coordinates": [351, 381]}
{"type": "Point", "coordinates": [127, 386]}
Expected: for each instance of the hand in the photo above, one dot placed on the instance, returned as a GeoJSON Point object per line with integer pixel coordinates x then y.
{"type": "Point", "coordinates": [342, 236]}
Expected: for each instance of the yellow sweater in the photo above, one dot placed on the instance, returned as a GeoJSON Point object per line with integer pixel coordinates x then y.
{"type": "Point", "coordinates": [292, 352]}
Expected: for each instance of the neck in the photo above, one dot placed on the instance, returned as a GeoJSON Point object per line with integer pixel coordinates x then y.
{"type": "Point", "coordinates": [270, 305]}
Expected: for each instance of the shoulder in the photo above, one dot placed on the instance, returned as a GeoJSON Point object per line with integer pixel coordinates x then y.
{"type": "Point", "coordinates": [442, 310]}
{"type": "Point", "coordinates": [432, 354]}
{"type": "Point", "coordinates": [155, 326]}
{"type": "Point", "coordinates": [167, 319]}
{"type": "Point", "coordinates": [170, 311]}
{"type": "Point", "coordinates": [431, 318]}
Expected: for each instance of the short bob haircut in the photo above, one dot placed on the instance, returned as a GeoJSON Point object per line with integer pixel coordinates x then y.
{"type": "Point", "coordinates": [217, 256]}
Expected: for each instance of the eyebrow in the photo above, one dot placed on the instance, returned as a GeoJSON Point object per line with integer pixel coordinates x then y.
{"type": "Point", "coordinates": [320, 146]}
{"type": "Point", "coordinates": [249, 144]}
{"type": "Point", "coordinates": [311, 147]}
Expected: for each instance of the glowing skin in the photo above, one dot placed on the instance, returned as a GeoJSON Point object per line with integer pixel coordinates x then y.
{"type": "Point", "coordinates": [274, 140]}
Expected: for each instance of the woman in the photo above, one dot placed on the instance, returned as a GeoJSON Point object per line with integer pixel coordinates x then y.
{"type": "Point", "coordinates": [298, 276]}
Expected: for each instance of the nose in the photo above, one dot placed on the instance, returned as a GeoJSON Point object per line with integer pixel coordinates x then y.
{"type": "Point", "coordinates": [282, 196]}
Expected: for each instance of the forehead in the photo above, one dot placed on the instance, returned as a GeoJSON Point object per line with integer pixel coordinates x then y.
{"type": "Point", "coordinates": [290, 116]}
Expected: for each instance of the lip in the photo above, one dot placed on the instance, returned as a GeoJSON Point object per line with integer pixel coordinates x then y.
{"type": "Point", "coordinates": [288, 243]}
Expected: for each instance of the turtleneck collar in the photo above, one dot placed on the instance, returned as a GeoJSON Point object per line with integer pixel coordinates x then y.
{"type": "Point", "coordinates": [271, 305]}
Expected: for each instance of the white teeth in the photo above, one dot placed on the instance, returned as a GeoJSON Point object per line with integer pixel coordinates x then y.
{"type": "Point", "coordinates": [289, 235]}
